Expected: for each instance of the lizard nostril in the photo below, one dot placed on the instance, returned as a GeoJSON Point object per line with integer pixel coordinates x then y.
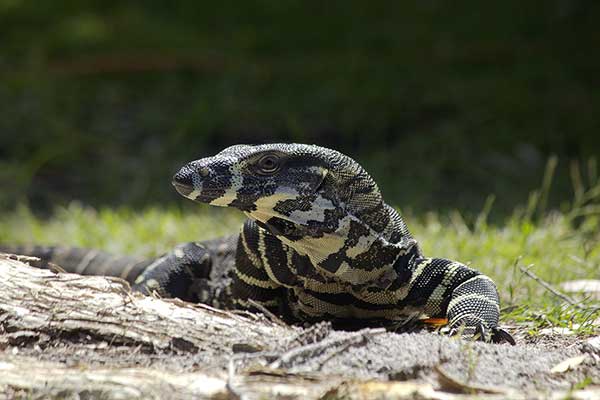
{"type": "Point", "coordinates": [183, 181]}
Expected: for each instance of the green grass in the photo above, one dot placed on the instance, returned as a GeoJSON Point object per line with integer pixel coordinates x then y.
{"type": "Point", "coordinates": [93, 92]}
{"type": "Point", "coordinates": [557, 246]}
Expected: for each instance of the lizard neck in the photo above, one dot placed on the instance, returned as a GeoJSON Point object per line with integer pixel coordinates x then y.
{"type": "Point", "coordinates": [344, 246]}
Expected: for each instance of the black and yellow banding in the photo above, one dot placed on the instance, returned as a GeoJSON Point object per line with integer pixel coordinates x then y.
{"type": "Point", "coordinates": [320, 243]}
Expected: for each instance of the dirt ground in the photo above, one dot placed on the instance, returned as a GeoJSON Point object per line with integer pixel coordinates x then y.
{"type": "Point", "coordinates": [51, 348]}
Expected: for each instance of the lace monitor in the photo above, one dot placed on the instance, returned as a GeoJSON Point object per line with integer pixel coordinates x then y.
{"type": "Point", "coordinates": [319, 243]}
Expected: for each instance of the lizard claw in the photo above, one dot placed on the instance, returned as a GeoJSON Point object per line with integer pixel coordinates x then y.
{"type": "Point", "coordinates": [475, 332]}
{"type": "Point", "coordinates": [499, 335]}
{"type": "Point", "coordinates": [480, 332]}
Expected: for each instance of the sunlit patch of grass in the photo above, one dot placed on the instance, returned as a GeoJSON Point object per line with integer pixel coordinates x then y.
{"type": "Point", "coordinates": [554, 249]}
{"type": "Point", "coordinates": [557, 245]}
{"type": "Point", "coordinates": [535, 315]}
{"type": "Point", "coordinates": [147, 232]}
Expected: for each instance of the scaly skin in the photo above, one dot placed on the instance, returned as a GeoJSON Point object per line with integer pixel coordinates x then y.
{"type": "Point", "coordinates": [319, 244]}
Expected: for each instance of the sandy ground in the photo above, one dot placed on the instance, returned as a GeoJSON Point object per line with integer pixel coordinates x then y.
{"type": "Point", "coordinates": [54, 357]}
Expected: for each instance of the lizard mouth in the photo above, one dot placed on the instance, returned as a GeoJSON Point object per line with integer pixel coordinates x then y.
{"type": "Point", "coordinates": [182, 188]}
{"type": "Point", "coordinates": [190, 192]}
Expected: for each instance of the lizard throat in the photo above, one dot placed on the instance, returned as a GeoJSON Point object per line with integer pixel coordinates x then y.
{"type": "Point", "coordinates": [351, 252]}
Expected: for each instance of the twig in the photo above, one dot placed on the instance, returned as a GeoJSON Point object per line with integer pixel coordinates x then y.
{"type": "Point", "coordinates": [314, 349]}
{"type": "Point", "coordinates": [230, 385]}
{"type": "Point", "coordinates": [140, 62]}
{"type": "Point", "coordinates": [274, 318]}
{"type": "Point", "coordinates": [549, 287]}
{"type": "Point", "coordinates": [337, 351]}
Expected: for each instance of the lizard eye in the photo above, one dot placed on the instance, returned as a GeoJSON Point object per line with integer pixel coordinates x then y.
{"type": "Point", "coordinates": [268, 164]}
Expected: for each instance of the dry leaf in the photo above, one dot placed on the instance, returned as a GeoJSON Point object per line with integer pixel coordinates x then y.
{"type": "Point", "coordinates": [568, 364]}
{"type": "Point", "coordinates": [395, 390]}
{"type": "Point", "coordinates": [452, 384]}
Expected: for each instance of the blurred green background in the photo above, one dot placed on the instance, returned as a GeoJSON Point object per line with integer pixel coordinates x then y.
{"type": "Point", "coordinates": [443, 102]}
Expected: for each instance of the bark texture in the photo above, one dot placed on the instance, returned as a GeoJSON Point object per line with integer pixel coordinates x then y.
{"type": "Point", "coordinates": [66, 336]}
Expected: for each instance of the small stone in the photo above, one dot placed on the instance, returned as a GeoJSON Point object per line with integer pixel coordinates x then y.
{"type": "Point", "coordinates": [559, 331]}
{"type": "Point", "coordinates": [589, 287]}
{"type": "Point", "coordinates": [594, 342]}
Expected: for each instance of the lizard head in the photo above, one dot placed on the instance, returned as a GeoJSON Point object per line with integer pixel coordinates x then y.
{"type": "Point", "coordinates": [295, 181]}
{"type": "Point", "coordinates": [251, 178]}
{"type": "Point", "coordinates": [318, 201]}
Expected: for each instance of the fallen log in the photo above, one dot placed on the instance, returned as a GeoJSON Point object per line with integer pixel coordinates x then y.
{"type": "Point", "coordinates": [70, 336]}
{"type": "Point", "coordinates": [43, 301]}
{"type": "Point", "coordinates": [61, 307]}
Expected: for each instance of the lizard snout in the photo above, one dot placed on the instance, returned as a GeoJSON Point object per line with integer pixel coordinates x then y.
{"type": "Point", "coordinates": [183, 181]}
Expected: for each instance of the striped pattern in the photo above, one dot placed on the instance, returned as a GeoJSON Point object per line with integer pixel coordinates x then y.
{"type": "Point", "coordinates": [319, 244]}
